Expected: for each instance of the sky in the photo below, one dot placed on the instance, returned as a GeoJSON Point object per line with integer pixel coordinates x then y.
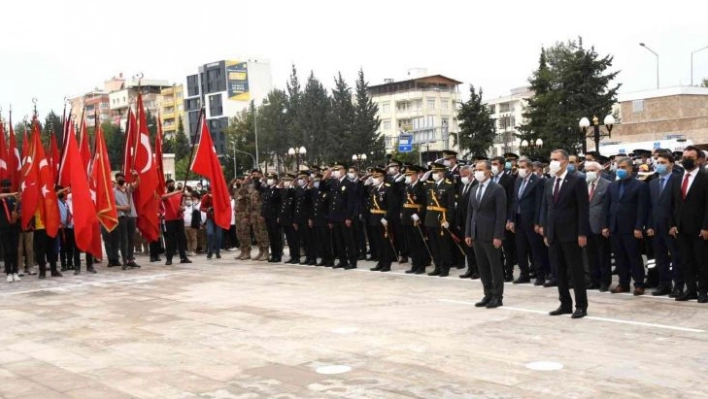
{"type": "Point", "coordinates": [54, 49]}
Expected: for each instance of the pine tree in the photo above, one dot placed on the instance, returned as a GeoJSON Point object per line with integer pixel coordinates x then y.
{"type": "Point", "coordinates": [366, 138]}
{"type": "Point", "coordinates": [52, 124]}
{"type": "Point", "coordinates": [539, 108]}
{"type": "Point", "coordinates": [294, 99]}
{"type": "Point", "coordinates": [477, 130]}
{"type": "Point", "coordinates": [342, 120]}
{"type": "Point", "coordinates": [313, 120]}
{"type": "Point", "coordinates": [275, 126]}
{"type": "Point", "coordinates": [181, 142]}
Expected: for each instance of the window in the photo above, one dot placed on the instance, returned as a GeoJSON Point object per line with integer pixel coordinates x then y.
{"type": "Point", "coordinates": [492, 109]}
{"type": "Point", "coordinates": [638, 106]}
{"type": "Point", "coordinates": [402, 106]}
{"type": "Point", "coordinates": [386, 108]}
{"type": "Point", "coordinates": [215, 106]}
{"type": "Point", "coordinates": [505, 107]}
{"type": "Point", "coordinates": [431, 103]}
{"type": "Point", "coordinates": [180, 108]}
{"type": "Point", "coordinates": [417, 105]}
{"type": "Point", "coordinates": [424, 136]}
{"type": "Point", "coordinates": [404, 124]}
{"type": "Point", "coordinates": [445, 105]}
{"type": "Point", "coordinates": [387, 124]}
{"type": "Point", "coordinates": [389, 142]}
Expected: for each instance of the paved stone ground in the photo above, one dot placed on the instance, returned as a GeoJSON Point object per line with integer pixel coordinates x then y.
{"type": "Point", "coordinates": [228, 330]}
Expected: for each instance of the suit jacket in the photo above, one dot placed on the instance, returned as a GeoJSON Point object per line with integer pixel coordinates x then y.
{"type": "Point", "coordinates": [566, 219]}
{"type": "Point", "coordinates": [463, 202]}
{"type": "Point", "coordinates": [529, 203]}
{"type": "Point", "coordinates": [487, 217]}
{"type": "Point", "coordinates": [628, 213]}
{"type": "Point", "coordinates": [343, 200]}
{"type": "Point", "coordinates": [662, 204]}
{"type": "Point", "coordinates": [690, 216]}
{"type": "Point", "coordinates": [598, 205]}
{"type": "Point", "coordinates": [507, 182]}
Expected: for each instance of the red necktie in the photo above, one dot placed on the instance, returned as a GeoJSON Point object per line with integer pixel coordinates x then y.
{"type": "Point", "coordinates": [556, 190]}
{"type": "Point", "coordinates": [592, 191]}
{"type": "Point", "coordinates": [684, 186]}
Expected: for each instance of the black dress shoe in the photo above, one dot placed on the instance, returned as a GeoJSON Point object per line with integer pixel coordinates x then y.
{"type": "Point", "coordinates": [350, 267]}
{"type": "Point", "coordinates": [509, 278]}
{"type": "Point", "coordinates": [604, 287]}
{"type": "Point", "coordinates": [168, 263]}
{"type": "Point", "coordinates": [483, 302]}
{"type": "Point", "coordinates": [560, 311]}
{"type": "Point", "coordinates": [420, 271]}
{"type": "Point", "coordinates": [404, 259]}
{"type": "Point", "coordinates": [460, 267]}
{"type": "Point", "coordinates": [209, 255]}
{"type": "Point", "coordinates": [592, 286]}
{"type": "Point", "coordinates": [385, 269]}
{"type": "Point", "coordinates": [153, 259]}
{"type": "Point", "coordinates": [468, 274]}
{"type": "Point", "coordinates": [377, 268]}
{"type": "Point", "coordinates": [113, 263]}
{"type": "Point", "coordinates": [687, 296]}
{"type": "Point", "coordinates": [42, 275]}
{"type": "Point", "coordinates": [475, 276]}
{"type": "Point", "coordinates": [523, 279]}
{"type": "Point", "coordinates": [551, 283]}
{"type": "Point", "coordinates": [56, 273]}
{"type": "Point", "coordinates": [133, 265]}
{"type": "Point", "coordinates": [362, 257]}
{"type": "Point", "coordinates": [410, 271]}
{"type": "Point", "coordinates": [340, 266]}
{"type": "Point", "coordinates": [661, 290]}
{"type": "Point", "coordinates": [494, 303]}
{"type": "Point", "coordinates": [372, 259]}
{"type": "Point", "coordinates": [539, 282]}
{"type": "Point", "coordinates": [90, 269]}
{"type": "Point", "coordinates": [435, 272]}
{"type": "Point", "coordinates": [218, 256]}
{"type": "Point", "coordinates": [77, 271]}
{"type": "Point", "coordinates": [323, 263]}
{"type": "Point", "coordinates": [579, 314]}
{"type": "Point", "coordinates": [677, 292]}
{"type": "Point", "coordinates": [702, 297]}
{"type": "Point", "coordinates": [185, 260]}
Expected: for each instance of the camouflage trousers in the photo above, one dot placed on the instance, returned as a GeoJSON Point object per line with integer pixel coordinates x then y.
{"type": "Point", "coordinates": [260, 230]}
{"type": "Point", "coordinates": [243, 232]}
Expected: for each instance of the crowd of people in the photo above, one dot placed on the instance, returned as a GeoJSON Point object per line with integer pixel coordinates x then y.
{"type": "Point", "coordinates": [562, 222]}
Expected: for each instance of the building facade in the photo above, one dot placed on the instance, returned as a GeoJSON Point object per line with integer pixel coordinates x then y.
{"type": "Point", "coordinates": [224, 88]}
{"type": "Point", "coordinates": [507, 112]}
{"type": "Point", "coordinates": [422, 105]}
{"type": "Point", "coordinates": [171, 109]}
{"type": "Point", "coordinates": [91, 104]}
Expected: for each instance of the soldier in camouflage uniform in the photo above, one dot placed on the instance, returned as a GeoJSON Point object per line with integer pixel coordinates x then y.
{"type": "Point", "coordinates": [243, 221]}
{"type": "Point", "coordinates": [257, 221]}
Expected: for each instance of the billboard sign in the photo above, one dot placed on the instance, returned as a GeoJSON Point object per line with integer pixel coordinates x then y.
{"type": "Point", "coordinates": [237, 81]}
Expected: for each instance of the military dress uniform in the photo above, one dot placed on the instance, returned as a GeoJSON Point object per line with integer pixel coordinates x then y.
{"type": "Point", "coordinates": [303, 213]}
{"type": "Point", "coordinates": [260, 231]}
{"type": "Point", "coordinates": [381, 212]}
{"type": "Point", "coordinates": [320, 216]}
{"type": "Point", "coordinates": [342, 208]}
{"type": "Point", "coordinates": [414, 203]}
{"type": "Point", "coordinates": [270, 209]}
{"type": "Point", "coordinates": [397, 188]}
{"type": "Point", "coordinates": [243, 222]}
{"type": "Point", "coordinates": [440, 211]}
{"type": "Point", "coordinates": [286, 218]}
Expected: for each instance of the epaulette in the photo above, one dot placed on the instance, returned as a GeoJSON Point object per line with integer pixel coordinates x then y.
{"type": "Point", "coordinates": [387, 184]}
{"type": "Point", "coordinates": [448, 181]}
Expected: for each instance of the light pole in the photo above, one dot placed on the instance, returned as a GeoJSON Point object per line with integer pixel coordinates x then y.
{"type": "Point", "coordinates": [597, 134]}
{"type": "Point", "coordinates": [531, 144]}
{"type": "Point", "coordinates": [700, 49]}
{"type": "Point", "coordinates": [358, 158]}
{"type": "Point", "coordinates": [297, 153]}
{"type": "Point", "coordinates": [657, 62]}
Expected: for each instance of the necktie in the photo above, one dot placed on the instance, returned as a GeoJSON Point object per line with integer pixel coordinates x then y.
{"type": "Point", "coordinates": [684, 186]}
{"type": "Point", "coordinates": [663, 184]}
{"type": "Point", "coordinates": [621, 190]}
{"type": "Point", "coordinates": [556, 190]}
{"type": "Point", "coordinates": [479, 193]}
{"type": "Point", "coordinates": [522, 188]}
{"type": "Point", "coordinates": [592, 191]}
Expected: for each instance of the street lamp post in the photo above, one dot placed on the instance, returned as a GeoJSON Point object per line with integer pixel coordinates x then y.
{"type": "Point", "coordinates": [531, 144]}
{"type": "Point", "coordinates": [297, 153]}
{"type": "Point", "coordinates": [358, 158]}
{"type": "Point", "coordinates": [597, 134]}
{"type": "Point", "coordinates": [657, 62]}
{"type": "Point", "coordinates": [700, 49]}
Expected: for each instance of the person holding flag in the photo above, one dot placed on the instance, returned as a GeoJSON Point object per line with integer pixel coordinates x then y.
{"type": "Point", "coordinates": [175, 237]}
{"type": "Point", "coordinates": [9, 230]}
{"type": "Point", "coordinates": [123, 236]}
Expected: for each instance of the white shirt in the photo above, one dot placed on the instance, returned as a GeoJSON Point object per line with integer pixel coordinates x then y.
{"type": "Point", "coordinates": [560, 185]}
{"type": "Point", "coordinates": [691, 177]}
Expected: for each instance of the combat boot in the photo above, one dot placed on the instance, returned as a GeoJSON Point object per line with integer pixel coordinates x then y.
{"type": "Point", "coordinates": [246, 254]}
{"type": "Point", "coordinates": [260, 254]}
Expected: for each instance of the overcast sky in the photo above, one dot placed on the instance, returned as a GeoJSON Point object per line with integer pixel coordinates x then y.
{"type": "Point", "coordinates": [52, 49]}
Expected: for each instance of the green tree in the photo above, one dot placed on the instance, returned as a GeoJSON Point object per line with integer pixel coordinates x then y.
{"type": "Point", "coordinates": [294, 99]}
{"type": "Point", "coordinates": [477, 130]}
{"type": "Point", "coordinates": [313, 119]}
{"type": "Point", "coordinates": [52, 124]}
{"type": "Point", "coordinates": [181, 169]}
{"type": "Point", "coordinates": [115, 144]}
{"type": "Point", "coordinates": [342, 120]}
{"type": "Point", "coordinates": [539, 108]}
{"type": "Point", "coordinates": [366, 138]}
{"type": "Point", "coordinates": [704, 83]}
{"type": "Point", "coordinates": [152, 124]}
{"type": "Point", "coordinates": [182, 145]}
{"type": "Point", "coordinates": [168, 146]}
{"type": "Point", "coordinates": [275, 124]}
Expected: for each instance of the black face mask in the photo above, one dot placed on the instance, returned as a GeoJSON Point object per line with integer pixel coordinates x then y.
{"type": "Point", "coordinates": [61, 196]}
{"type": "Point", "coordinates": [688, 163]}
{"type": "Point", "coordinates": [5, 189]}
{"type": "Point", "coordinates": [120, 182]}
{"type": "Point", "coordinates": [170, 188]}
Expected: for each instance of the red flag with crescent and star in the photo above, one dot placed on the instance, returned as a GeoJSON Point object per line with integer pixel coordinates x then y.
{"type": "Point", "coordinates": [14, 162]}
{"type": "Point", "coordinates": [4, 171]}
{"type": "Point", "coordinates": [147, 204]}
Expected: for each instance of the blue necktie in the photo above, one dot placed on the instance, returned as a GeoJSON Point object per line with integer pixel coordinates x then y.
{"type": "Point", "coordinates": [621, 190]}
{"type": "Point", "coordinates": [663, 184]}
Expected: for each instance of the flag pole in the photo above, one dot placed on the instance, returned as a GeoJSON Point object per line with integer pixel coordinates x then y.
{"type": "Point", "coordinates": [194, 141]}
{"type": "Point", "coordinates": [136, 137]}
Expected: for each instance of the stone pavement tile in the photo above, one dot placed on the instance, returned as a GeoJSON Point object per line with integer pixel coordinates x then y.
{"type": "Point", "coordinates": [28, 368]}
{"type": "Point", "coordinates": [7, 356]}
{"type": "Point", "coordinates": [185, 380]}
{"type": "Point", "coordinates": [286, 374]}
{"type": "Point", "coordinates": [14, 387]}
{"type": "Point", "coordinates": [62, 380]}
{"type": "Point", "coordinates": [45, 395]}
{"type": "Point", "coordinates": [97, 392]}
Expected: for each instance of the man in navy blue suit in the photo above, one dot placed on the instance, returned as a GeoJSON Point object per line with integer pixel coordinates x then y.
{"type": "Point", "coordinates": [627, 208]}
{"type": "Point", "coordinates": [666, 252]}
{"type": "Point", "coordinates": [523, 216]}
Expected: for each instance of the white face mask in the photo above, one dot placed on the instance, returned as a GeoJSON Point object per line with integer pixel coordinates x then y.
{"type": "Point", "coordinates": [480, 176]}
{"type": "Point", "coordinates": [287, 184]}
{"type": "Point", "coordinates": [554, 167]}
{"type": "Point", "coordinates": [465, 180]}
{"type": "Point", "coordinates": [523, 173]}
{"type": "Point", "coordinates": [188, 203]}
{"type": "Point", "coordinates": [447, 163]}
{"type": "Point", "coordinates": [270, 182]}
{"type": "Point", "coordinates": [351, 175]}
{"type": "Point", "coordinates": [336, 174]}
{"type": "Point", "coordinates": [437, 177]}
{"type": "Point", "coordinates": [409, 180]}
{"type": "Point", "coordinates": [316, 184]}
{"type": "Point", "coordinates": [392, 171]}
{"type": "Point", "coordinates": [301, 182]}
{"type": "Point", "coordinates": [377, 181]}
{"type": "Point", "coordinates": [495, 170]}
{"type": "Point", "coordinates": [235, 186]}
{"type": "Point", "coordinates": [590, 176]}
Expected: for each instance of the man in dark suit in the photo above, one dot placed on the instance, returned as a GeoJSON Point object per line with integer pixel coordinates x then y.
{"type": "Point", "coordinates": [599, 257]}
{"type": "Point", "coordinates": [342, 211]}
{"type": "Point", "coordinates": [467, 185]}
{"type": "Point", "coordinates": [507, 182]}
{"type": "Point", "coordinates": [523, 216]}
{"type": "Point", "coordinates": [666, 251]}
{"type": "Point", "coordinates": [627, 206]}
{"type": "Point", "coordinates": [485, 231]}
{"type": "Point", "coordinates": [565, 227]}
{"type": "Point", "coordinates": [690, 224]}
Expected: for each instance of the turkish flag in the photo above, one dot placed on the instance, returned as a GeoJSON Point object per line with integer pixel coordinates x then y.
{"type": "Point", "coordinates": [25, 144]}
{"type": "Point", "coordinates": [48, 206]}
{"type": "Point", "coordinates": [4, 172]}
{"type": "Point", "coordinates": [14, 162]}
{"type": "Point", "coordinates": [206, 163]}
{"type": "Point", "coordinates": [54, 156]}
{"type": "Point", "coordinates": [131, 131]}
{"type": "Point", "coordinates": [146, 200]}
{"type": "Point", "coordinates": [158, 159]}
{"type": "Point", "coordinates": [30, 183]}
{"type": "Point", "coordinates": [84, 211]}
{"type": "Point", "coordinates": [103, 189]}
{"type": "Point", "coordinates": [84, 148]}
{"type": "Point", "coordinates": [64, 178]}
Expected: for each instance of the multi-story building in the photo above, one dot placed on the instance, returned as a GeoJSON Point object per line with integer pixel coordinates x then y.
{"type": "Point", "coordinates": [422, 105]}
{"type": "Point", "coordinates": [122, 99]}
{"type": "Point", "coordinates": [224, 88]}
{"type": "Point", "coordinates": [171, 108]}
{"type": "Point", "coordinates": [95, 102]}
{"type": "Point", "coordinates": [507, 112]}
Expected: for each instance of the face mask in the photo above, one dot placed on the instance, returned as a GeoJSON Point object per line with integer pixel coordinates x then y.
{"type": "Point", "coordinates": [5, 190]}
{"type": "Point", "coordinates": [188, 203]}
{"type": "Point", "coordinates": [622, 174]}
{"type": "Point", "coordinates": [377, 181]}
{"type": "Point", "coordinates": [688, 163]}
{"type": "Point", "coordinates": [170, 189]}
{"type": "Point", "coordinates": [392, 171]}
{"type": "Point", "coordinates": [351, 175]}
{"type": "Point", "coordinates": [523, 173]}
{"type": "Point", "coordinates": [409, 180]}
{"type": "Point", "coordinates": [336, 174]}
{"type": "Point", "coordinates": [235, 186]}
{"type": "Point", "coordinates": [590, 176]}
{"type": "Point", "coordinates": [571, 168]}
{"type": "Point", "coordinates": [437, 177]}
{"type": "Point", "coordinates": [121, 182]}
{"type": "Point", "coordinates": [316, 184]}
{"type": "Point", "coordinates": [465, 180]}
{"type": "Point", "coordinates": [554, 167]}
{"type": "Point", "coordinates": [495, 170]}
{"type": "Point", "coordinates": [507, 166]}
{"type": "Point", "coordinates": [480, 176]}
{"type": "Point", "coordinates": [447, 163]}
{"type": "Point", "coordinates": [287, 184]}
{"type": "Point", "coordinates": [661, 169]}
{"type": "Point", "coordinates": [270, 182]}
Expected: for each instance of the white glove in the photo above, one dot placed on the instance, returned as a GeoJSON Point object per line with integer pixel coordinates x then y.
{"type": "Point", "coordinates": [369, 181]}
{"type": "Point", "coordinates": [415, 217]}
{"type": "Point", "coordinates": [400, 178]}
{"type": "Point", "coordinates": [426, 175]}
{"type": "Point", "coordinates": [445, 225]}
{"type": "Point", "coordinates": [384, 221]}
